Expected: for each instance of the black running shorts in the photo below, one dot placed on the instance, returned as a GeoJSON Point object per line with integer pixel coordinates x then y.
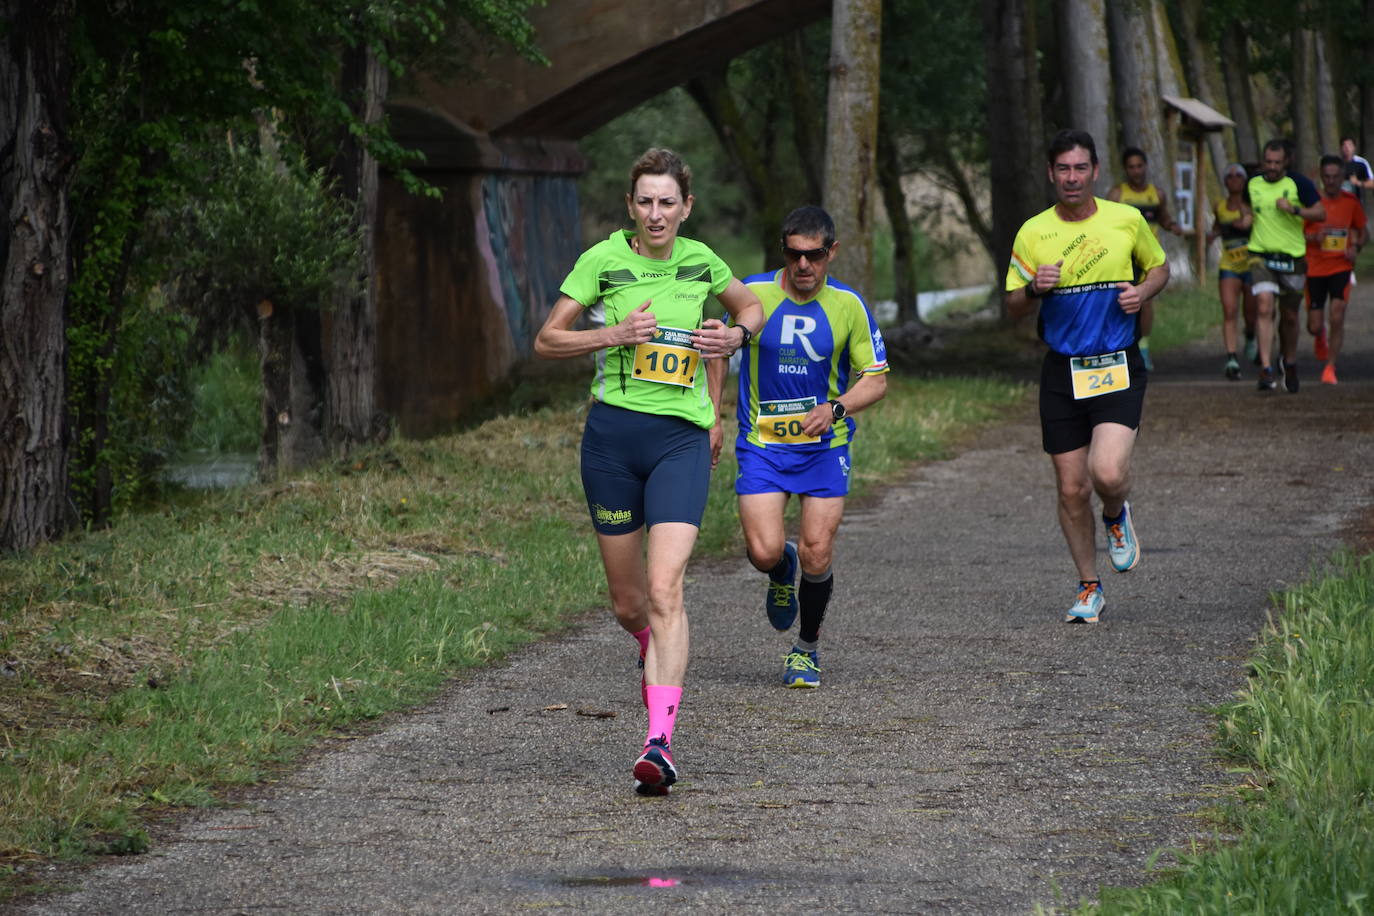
{"type": "Point", "coordinates": [1067, 424]}
{"type": "Point", "coordinates": [1334, 286]}
{"type": "Point", "coordinates": [641, 469]}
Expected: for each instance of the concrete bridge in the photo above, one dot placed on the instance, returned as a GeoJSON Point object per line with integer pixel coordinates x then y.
{"type": "Point", "coordinates": [464, 282]}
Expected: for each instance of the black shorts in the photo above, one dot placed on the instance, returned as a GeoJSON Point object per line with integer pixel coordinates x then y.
{"type": "Point", "coordinates": [1334, 286]}
{"type": "Point", "coordinates": [640, 468]}
{"type": "Point", "coordinates": [1067, 424]}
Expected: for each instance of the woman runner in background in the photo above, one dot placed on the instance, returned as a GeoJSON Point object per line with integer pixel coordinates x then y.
{"type": "Point", "coordinates": [1232, 224]}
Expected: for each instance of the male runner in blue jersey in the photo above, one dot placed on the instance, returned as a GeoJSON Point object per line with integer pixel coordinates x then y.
{"type": "Point", "coordinates": [1077, 259]}
{"type": "Point", "coordinates": [818, 360]}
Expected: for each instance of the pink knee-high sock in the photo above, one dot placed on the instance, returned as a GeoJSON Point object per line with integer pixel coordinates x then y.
{"type": "Point", "coordinates": [643, 637]}
{"type": "Point", "coordinates": [663, 702]}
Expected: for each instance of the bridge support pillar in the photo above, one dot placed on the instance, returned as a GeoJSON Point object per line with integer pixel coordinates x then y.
{"type": "Point", "coordinates": [464, 281]}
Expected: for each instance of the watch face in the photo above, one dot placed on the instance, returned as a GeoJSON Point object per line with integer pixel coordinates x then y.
{"type": "Point", "coordinates": [837, 409]}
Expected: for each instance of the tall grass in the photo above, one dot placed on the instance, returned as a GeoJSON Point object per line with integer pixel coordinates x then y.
{"type": "Point", "coordinates": [1304, 732]}
{"type": "Point", "coordinates": [1184, 314]}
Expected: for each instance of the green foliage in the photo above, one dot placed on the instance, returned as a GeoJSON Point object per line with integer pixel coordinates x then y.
{"type": "Point", "coordinates": [672, 120]}
{"type": "Point", "coordinates": [226, 406]}
{"type": "Point", "coordinates": [157, 85]}
{"type": "Point", "coordinates": [934, 88]}
{"type": "Point", "coordinates": [265, 228]}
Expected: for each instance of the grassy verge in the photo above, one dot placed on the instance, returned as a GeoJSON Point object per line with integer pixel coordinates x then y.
{"type": "Point", "coordinates": [1303, 827]}
{"type": "Point", "coordinates": [202, 644]}
{"type": "Point", "coordinates": [1183, 315]}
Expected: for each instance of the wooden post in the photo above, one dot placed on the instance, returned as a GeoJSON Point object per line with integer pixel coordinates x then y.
{"type": "Point", "coordinates": [1199, 205]}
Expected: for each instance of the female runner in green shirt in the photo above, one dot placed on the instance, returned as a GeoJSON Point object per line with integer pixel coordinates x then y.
{"type": "Point", "coordinates": [651, 437]}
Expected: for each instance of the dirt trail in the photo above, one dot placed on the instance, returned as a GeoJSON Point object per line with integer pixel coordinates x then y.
{"type": "Point", "coordinates": [967, 752]}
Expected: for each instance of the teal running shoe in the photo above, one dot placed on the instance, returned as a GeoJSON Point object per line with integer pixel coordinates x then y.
{"type": "Point", "coordinates": [1089, 606]}
{"type": "Point", "coordinates": [1121, 543]}
{"type": "Point", "coordinates": [781, 601]}
{"type": "Point", "coordinates": [799, 669]}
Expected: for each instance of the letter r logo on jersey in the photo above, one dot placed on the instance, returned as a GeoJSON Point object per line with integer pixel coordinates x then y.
{"type": "Point", "coordinates": [795, 329]}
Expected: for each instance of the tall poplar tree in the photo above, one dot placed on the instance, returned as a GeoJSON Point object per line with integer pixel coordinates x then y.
{"type": "Point", "coordinates": [852, 134]}
{"type": "Point", "coordinates": [35, 171]}
{"type": "Point", "coordinates": [1016, 134]}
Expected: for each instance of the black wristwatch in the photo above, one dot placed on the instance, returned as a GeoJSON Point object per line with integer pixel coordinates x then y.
{"type": "Point", "coordinates": [748, 336]}
{"type": "Point", "coordinates": [837, 411]}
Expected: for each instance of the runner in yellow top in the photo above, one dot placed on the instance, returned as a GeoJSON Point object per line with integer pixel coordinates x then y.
{"type": "Point", "coordinates": [1232, 226]}
{"type": "Point", "coordinates": [1153, 204]}
{"type": "Point", "coordinates": [651, 436]}
{"type": "Point", "coordinates": [1080, 258]}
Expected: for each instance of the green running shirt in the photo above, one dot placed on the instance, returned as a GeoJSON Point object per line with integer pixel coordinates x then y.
{"type": "Point", "coordinates": [1274, 231]}
{"type": "Point", "coordinates": [663, 377]}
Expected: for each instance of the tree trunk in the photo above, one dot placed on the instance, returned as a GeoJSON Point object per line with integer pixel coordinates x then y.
{"type": "Point", "coordinates": [1235, 64]}
{"type": "Point", "coordinates": [275, 341]}
{"type": "Point", "coordinates": [806, 129]}
{"type": "Point", "coordinates": [1085, 70]}
{"type": "Point", "coordinates": [852, 134]}
{"type": "Point", "coordinates": [35, 175]}
{"type": "Point", "coordinates": [1016, 143]}
{"type": "Point", "coordinates": [352, 418]}
{"type": "Point", "coordinates": [292, 389]}
{"type": "Point", "coordinates": [1171, 79]}
{"type": "Point", "coordinates": [1136, 81]}
{"type": "Point", "coordinates": [1204, 75]}
{"type": "Point", "coordinates": [949, 170]}
{"type": "Point", "coordinates": [304, 442]}
{"type": "Point", "coordinates": [1364, 133]}
{"type": "Point", "coordinates": [1328, 121]}
{"type": "Point", "coordinates": [712, 94]}
{"type": "Point", "coordinates": [903, 240]}
{"type": "Point", "coordinates": [1303, 102]}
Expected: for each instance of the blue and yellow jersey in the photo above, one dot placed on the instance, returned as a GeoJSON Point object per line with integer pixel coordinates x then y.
{"type": "Point", "coordinates": [806, 353]}
{"type": "Point", "coordinates": [1081, 315]}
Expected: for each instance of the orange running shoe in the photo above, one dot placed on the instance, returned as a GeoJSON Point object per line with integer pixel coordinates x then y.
{"type": "Point", "coordinates": [1320, 349]}
{"type": "Point", "coordinates": [1329, 375]}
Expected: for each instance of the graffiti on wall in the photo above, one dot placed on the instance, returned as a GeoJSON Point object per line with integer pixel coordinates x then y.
{"type": "Point", "coordinates": [530, 238]}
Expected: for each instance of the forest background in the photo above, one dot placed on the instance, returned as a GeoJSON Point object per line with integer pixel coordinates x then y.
{"type": "Point", "coordinates": [194, 187]}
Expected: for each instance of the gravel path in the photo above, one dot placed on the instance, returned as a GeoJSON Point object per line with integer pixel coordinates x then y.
{"type": "Point", "coordinates": [967, 752]}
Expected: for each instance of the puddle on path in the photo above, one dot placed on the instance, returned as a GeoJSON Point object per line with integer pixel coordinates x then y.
{"type": "Point", "coordinates": [657, 880]}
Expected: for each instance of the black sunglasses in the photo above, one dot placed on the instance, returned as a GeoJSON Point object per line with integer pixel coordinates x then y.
{"type": "Point", "coordinates": [811, 254]}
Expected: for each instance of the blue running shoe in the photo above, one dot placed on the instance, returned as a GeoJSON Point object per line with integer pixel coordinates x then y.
{"type": "Point", "coordinates": [1121, 543]}
{"type": "Point", "coordinates": [1089, 606]}
{"type": "Point", "coordinates": [799, 669]}
{"type": "Point", "coordinates": [654, 770]}
{"type": "Point", "coordinates": [781, 603]}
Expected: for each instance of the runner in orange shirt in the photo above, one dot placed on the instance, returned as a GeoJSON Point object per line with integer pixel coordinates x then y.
{"type": "Point", "coordinates": [1332, 245]}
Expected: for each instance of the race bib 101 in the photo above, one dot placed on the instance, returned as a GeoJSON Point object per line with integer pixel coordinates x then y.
{"type": "Point", "coordinates": [668, 359]}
